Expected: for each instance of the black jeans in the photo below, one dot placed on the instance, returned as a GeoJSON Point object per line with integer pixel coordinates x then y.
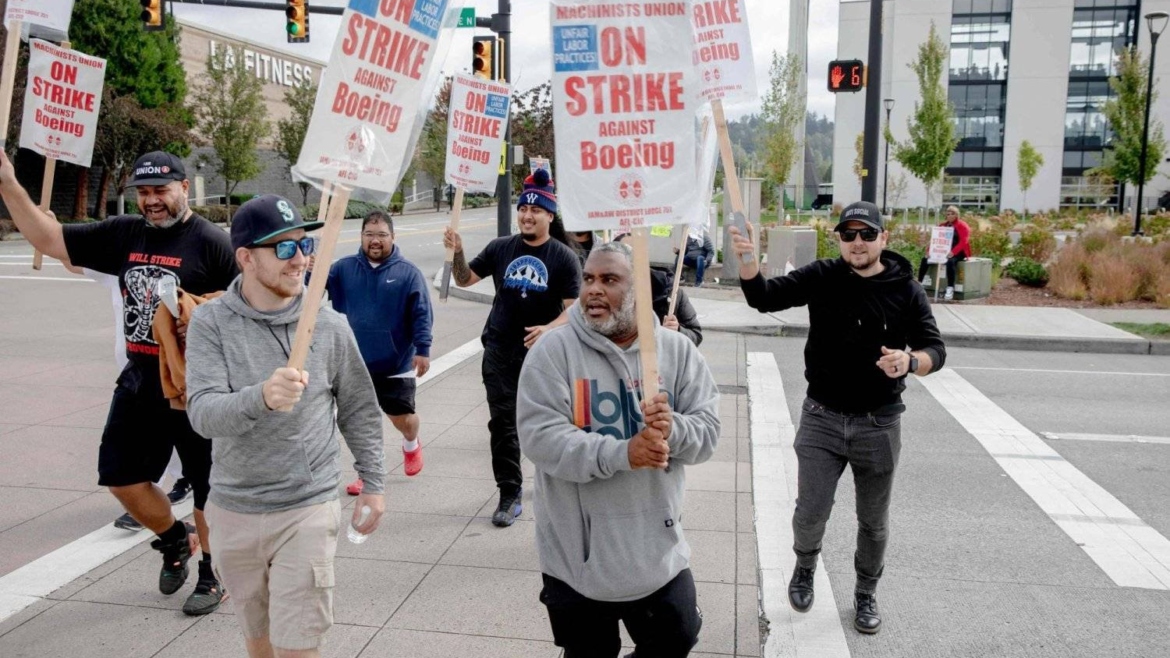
{"type": "Point", "coordinates": [501, 378]}
{"type": "Point", "coordinates": [951, 267]}
{"type": "Point", "coordinates": [663, 625]}
{"type": "Point", "coordinates": [825, 443]}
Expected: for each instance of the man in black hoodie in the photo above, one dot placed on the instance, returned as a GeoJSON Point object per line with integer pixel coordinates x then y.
{"type": "Point", "coordinates": [865, 308]}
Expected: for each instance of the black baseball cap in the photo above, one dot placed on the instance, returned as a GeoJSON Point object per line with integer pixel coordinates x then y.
{"type": "Point", "coordinates": [265, 217]}
{"type": "Point", "coordinates": [864, 212]}
{"type": "Point", "coordinates": [157, 168]}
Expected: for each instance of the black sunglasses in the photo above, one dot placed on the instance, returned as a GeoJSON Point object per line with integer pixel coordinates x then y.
{"type": "Point", "coordinates": [867, 234]}
{"type": "Point", "coordinates": [286, 249]}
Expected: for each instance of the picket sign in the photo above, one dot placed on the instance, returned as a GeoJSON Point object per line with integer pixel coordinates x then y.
{"type": "Point", "coordinates": [456, 210]}
{"type": "Point", "coordinates": [730, 175]}
{"type": "Point", "coordinates": [678, 267]}
{"type": "Point", "coordinates": [8, 78]}
{"type": "Point", "coordinates": [334, 199]}
{"type": "Point", "coordinates": [644, 303]}
{"type": "Point", "coordinates": [46, 187]}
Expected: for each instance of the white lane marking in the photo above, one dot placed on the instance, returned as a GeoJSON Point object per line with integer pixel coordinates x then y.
{"type": "Point", "coordinates": [67, 279]}
{"type": "Point", "coordinates": [1130, 552]}
{"type": "Point", "coordinates": [1109, 373]}
{"type": "Point", "coordinates": [817, 632]}
{"type": "Point", "coordinates": [43, 576]}
{"type": "Point", "coordinates": [1110, 438]}
{"type": "Point", "coordinates": [48, 573]}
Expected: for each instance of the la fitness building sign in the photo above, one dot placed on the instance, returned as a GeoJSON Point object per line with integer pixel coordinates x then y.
{"type": "Point", "coordinates": [271, 68]}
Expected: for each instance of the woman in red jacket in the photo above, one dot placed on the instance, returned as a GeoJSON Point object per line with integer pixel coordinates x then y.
{"type": "Point", "coordinates": [960, 250]}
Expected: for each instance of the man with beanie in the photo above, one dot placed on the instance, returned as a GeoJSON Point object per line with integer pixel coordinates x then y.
{"type": "Point", "coordinates": [536, 280]}
{"type": "Point", "coordinates": [274, 513]}
{"type": "Point", "coordinates": [609, 532]}
{"type": "Point", "coordinates": [167, 242]}
{"type": "Point", "coordinates": [865, 308]}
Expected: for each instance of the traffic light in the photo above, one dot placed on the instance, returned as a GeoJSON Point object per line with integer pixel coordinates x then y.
{"type": "Point", "coordinates": [846, 75]}
{"type": "Point", "coordinates": [298, 21]}
{"type": "Point", "coordinates": [483, 60]}
{"type": "Point", "coordinates": [153, 16]}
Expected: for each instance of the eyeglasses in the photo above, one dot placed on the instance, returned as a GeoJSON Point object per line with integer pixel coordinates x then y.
{"type": "Point", "coordinates": [286, 249]}
{"type": "Point", "coordinates": [376, 236]}
{"type": "Point", "coordinates": [867, 234]}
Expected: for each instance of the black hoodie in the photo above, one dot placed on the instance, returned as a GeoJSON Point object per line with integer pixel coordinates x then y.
{"type": "Point", "coordinates": [851, 318]}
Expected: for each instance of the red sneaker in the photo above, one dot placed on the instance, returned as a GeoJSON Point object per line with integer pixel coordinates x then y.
{"type": "Point", "coordinates": [355, 487]}
{"type": "Point", "coordinates": [414, 461]}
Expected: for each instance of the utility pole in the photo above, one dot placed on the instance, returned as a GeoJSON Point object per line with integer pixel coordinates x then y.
{"type": "Point", "coordinates": [873, 104]}
{"type": "Point", "coordinates": [501, 24]}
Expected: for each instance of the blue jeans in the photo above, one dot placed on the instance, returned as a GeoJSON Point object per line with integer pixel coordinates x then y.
{"type": "Point", "coordinates": [825, 443]}
{"type": "Point", "coordinates": [698, 259]}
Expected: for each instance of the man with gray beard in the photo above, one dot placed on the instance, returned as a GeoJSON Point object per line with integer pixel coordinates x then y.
{"type": "Point", "coordinates": [167, 242]}
{"type": "Point", "coordinates": [609, 527]}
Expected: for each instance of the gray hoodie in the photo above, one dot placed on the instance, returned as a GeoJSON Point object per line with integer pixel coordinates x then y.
{"type": "Point", "coordinates": [611, 533]}
{"type": "Point", "coordinates": [266, 461]}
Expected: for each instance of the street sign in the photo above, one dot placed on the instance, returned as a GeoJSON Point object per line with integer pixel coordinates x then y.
{"type": "Point", "coordinates": [846, 75]}
{"type": "Point", "coordinates": [467, 17]}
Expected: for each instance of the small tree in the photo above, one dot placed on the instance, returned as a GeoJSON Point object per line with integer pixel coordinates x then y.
{"type": "Point", "coordinates": [232, 115]}
{"type": "Point", "coordinates": [931, 127]}
{"type": "Point", "coordinates": [859, 158]}
{"type": "Point", "coordinates": [290, 132]}
{"type": "Point", "coordinates": [898, 185]}
{"type": "Point", "coordinates": [1028, 163]}
{"type": "Point", "coordinates": [784, 110]}
{"type": "Point", "coordinates": [1126, 113]}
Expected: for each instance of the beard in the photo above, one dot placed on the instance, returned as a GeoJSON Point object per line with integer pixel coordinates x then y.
{"type": "Point", "coordinates": [621, 322]}
{"type": "Point", "coordinates": [173, 216]}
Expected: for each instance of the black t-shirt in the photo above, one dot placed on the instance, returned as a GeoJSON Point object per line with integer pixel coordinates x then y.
{"type": "Point", "coordinates": [196, 254]}
{"type": "Point", "coordinates": [531, 286]}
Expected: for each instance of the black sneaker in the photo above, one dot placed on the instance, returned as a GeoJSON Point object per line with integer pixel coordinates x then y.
{"type": "Point", "coordinates": [867, 620]}
{"type": "Point", "coordinates": [180, 491]}
{"type": "Point", "coordinates": [175, 555]}
{"type": "Point", "coordinates": [508, 509]}
{"type": "Point", "coordinates": [800, 589]}
{"type": "Point", "coordinates": [127, 522]}
{"type": "Point", "coordinates": [208, 594]}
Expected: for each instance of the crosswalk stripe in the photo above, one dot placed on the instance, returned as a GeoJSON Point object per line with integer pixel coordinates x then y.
{"type": "Point", "coordinates": [817, 632]}
{"type": "Point", "coordinates": [1110, 438]}
{"type": "Point", "coordinates": [1130, 552]}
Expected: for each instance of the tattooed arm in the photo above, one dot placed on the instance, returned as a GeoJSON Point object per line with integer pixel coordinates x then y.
{"type": "Point", "coordinates": [460, 270]}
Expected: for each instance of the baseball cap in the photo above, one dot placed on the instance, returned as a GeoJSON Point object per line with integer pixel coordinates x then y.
{"type": "Point", "coordinates": [157, 168]}
{"type": "Point", "coordinates": [864, 212]}
{"type": "Point", "coordinates": [265, 217]}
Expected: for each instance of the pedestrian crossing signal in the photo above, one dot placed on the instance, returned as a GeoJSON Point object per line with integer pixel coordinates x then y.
{"type": "Point", "coordinates": [298, 21]}
{"type": "Point", "coordinates": [483, 60]}
{"type": "Point", "coordinates": [846, 75]}
{"type": "Point", "coordinates": [153, 18]}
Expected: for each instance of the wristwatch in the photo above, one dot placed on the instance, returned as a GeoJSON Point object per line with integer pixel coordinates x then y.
{"type": "Point", "coordinates": [913, 365]}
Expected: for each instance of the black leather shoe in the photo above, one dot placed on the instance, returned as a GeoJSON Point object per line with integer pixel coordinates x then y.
{"type": "Point", "coordinates": [867, 619]}
{"type": "Point", "coordinates": [800, 589]}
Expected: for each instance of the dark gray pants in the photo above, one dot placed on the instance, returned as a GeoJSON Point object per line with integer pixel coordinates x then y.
{"type": "Point", "coordinates": [825, 443]}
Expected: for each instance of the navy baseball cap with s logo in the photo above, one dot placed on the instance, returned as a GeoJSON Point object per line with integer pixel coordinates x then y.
{"type": "Point", "coordinates": [266, 217]}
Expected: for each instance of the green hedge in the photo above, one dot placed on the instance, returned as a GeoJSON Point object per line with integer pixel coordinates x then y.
{"type": "Point", "coordinates": [1027, 272]}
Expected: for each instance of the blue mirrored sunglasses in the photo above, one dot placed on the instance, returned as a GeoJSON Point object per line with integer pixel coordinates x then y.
{"type": "Point", "coordinates": [286, 249]}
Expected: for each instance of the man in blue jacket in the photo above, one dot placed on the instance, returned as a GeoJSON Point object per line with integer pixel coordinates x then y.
{"type": "Point", "coordinates": [385, 298]}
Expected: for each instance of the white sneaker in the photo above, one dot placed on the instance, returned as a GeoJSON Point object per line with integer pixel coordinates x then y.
{"type": "Point", "coordinates": [950, 294]}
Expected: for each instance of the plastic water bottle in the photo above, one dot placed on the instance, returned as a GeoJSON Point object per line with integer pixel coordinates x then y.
{"type": "Point", "coordinates": [356, 537]}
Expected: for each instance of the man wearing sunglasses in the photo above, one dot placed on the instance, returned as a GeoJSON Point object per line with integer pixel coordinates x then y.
{"type": "Point", "coordinates": [167, 242]}
{"type": "Point", "coordinates": [870, 325]}
{"type": "Point", "coordinates": [273, 513]}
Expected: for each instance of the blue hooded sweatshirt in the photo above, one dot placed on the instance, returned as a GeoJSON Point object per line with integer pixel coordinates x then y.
{"type": "Point", "coordinates": [388, 308]}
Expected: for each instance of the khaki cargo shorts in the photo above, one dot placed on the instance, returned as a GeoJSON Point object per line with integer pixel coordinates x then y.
{"type": "Point", "coordinates": [278, 569]}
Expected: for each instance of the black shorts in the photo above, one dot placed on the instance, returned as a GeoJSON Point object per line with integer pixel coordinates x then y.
{"type": "Point", "coordinates": [140, 432]}
{"type": "Point", "coordinates": [395, 394]}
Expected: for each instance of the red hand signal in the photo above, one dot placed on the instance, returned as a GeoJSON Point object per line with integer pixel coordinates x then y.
{"type": "Point", "coordinates": [836, 76]}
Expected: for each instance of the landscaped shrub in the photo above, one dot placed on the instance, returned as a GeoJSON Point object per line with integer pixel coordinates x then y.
{"type": "Point", "coordinates": [991, 240]}
{"type": "Point", "coordinates": [1037, 243]}
{"type": "Point", "coordinates": [1068, 276]}
{"type": "Point", "coordinates": [1027, 272]}
{"type": "Point", "coordinates": [1112, 280]}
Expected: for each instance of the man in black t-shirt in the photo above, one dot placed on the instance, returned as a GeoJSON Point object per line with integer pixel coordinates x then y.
{"type": "Point", "coordinates": [536, 279]}
{"type": "Point", "coordinates": [166, 243]}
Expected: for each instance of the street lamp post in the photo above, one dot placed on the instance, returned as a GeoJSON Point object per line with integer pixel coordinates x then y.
{"type": "Point", "coordinates": [889, 105]}
{"type": "Point", "coordinates": [1157, 23]}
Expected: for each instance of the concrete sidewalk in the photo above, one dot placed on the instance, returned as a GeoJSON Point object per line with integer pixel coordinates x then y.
{"type": "Point", "coordinates": [437, 579]}
{"type": "Point", "coordinates": [963, 325]}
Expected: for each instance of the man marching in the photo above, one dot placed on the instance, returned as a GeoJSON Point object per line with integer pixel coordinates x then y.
{"type": "Point", "coordinates": [166, 243]}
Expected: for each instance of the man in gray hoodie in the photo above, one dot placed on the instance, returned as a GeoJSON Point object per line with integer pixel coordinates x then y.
{"type": "Point", "coordinates": [610, 472]}
{"type": "Point", "coordinates": [273, 509]}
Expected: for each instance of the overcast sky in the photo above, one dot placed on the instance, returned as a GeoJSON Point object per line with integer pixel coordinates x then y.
{"type": "Point", "coordinates": [530, 56]}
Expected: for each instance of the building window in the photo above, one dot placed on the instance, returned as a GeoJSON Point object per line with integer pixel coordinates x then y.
{"type": "Point", "coordinates": [1101, 30]}
{"type": "Point", "coordinates": [979, 192]}
{"type": "Point", "coordinates": [1083, 192]}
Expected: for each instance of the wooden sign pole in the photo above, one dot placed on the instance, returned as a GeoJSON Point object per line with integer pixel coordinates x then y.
{"type": "Point", "coordinates": [334, 217]}
{"type": "Point", "coordinates": [456, 210]}
{"type": "Point", "coordinates": [46, 184]}
{"type": "Point", "coordinates": [8, 78]}
{"type": "Point", "coordinates": [678, 268]}
{"type": "Point", "coordinates": [729, 173]}
{"type": "Point", "coordinates": [644, 305]}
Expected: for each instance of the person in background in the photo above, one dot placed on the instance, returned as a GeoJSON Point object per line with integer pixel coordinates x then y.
{"type": "Point", "coordinates": [960, 251]}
